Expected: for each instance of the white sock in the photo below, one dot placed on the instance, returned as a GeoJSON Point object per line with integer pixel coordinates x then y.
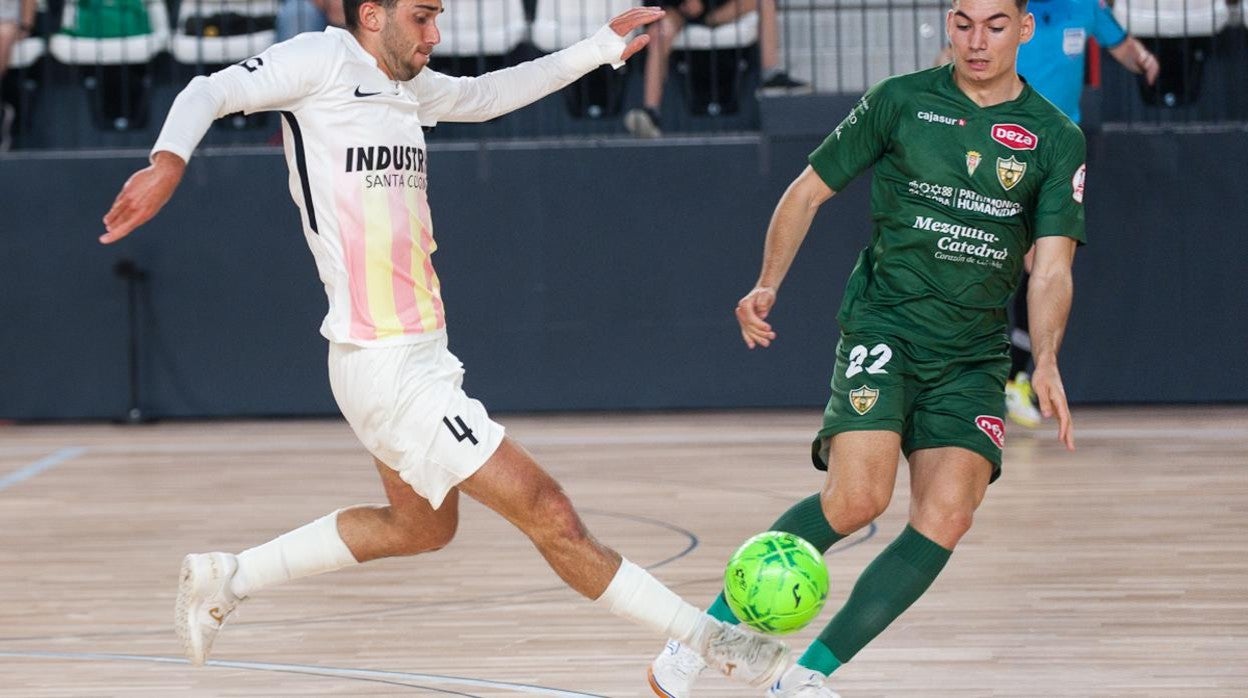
{"type": "Point", "coordinates": [314, 548]}
{"type": "Point", "coordinates": [636, 595]}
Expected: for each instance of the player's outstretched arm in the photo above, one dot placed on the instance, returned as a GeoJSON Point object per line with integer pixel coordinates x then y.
{"type": "Point", "coordinates": [143, 195]}
{"type": "Point", "coordinates": [1049, 294]}
{"type": "Point", "coordinates": [789, 224]}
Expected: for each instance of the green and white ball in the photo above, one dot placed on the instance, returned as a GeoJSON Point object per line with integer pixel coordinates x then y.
{"type": "Point", "coordinates": [776, 582]}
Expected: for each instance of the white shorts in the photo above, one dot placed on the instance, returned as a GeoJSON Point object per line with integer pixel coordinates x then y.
{"type": "Point", "coordinates": [406, 406]}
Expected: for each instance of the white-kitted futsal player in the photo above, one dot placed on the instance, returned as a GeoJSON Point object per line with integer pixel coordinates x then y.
{"type": "Point", "coordinates": [354, 103]}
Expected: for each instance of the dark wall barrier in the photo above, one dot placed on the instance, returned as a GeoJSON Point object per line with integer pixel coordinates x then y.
{"type": "Point", "coordinates": [591, 276]}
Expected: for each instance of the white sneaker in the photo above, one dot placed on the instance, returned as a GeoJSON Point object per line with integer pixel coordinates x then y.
{"type": "Point", "coordinates": [1020, 402]}
{"type": "Point", "coordinates": [673, 672]}
{"type": "Point", "coordinates": [204, 602]}
{"type": "Point", "coordinates": [739, 654]}
{"type": "Point", "coordinates": [642, 123]}
{"type": "Point", "coordinates": [800, 682]}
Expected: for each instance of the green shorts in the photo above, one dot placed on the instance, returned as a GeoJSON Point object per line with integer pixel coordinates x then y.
{"type": "Point", "coordinates": [883, 383]}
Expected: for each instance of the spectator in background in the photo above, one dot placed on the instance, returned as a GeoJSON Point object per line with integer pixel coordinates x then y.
{"type": "Point", "coordinates": [299, 16]}
{"type": "Point", "coordinates": [645, 121]}
{"type": "Point", "coordinates": [17, 21]}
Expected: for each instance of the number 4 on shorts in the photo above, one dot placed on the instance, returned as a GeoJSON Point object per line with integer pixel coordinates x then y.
{"type": "Point", "coordinates": [463, 433]}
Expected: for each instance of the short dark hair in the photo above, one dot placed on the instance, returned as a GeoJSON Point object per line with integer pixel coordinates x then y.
{"type": "Point", "coordinates": [1021, 5]}
{"type": "Point", "coordinates": [351, 10]}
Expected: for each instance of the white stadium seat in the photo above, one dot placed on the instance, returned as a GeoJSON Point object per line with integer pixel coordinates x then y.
{"type": "Point", "coordinates": [26, 52]}
{"type": "Point", "coordinates": [130, 50]}
{"type": "Point", "coordinates": [1172, 18]}
{"type": "Point", "coordinates": [561, 23]}
{"type": "Point", "coordinates": [738, 34]}
{"type": "Point", "coordinates": [218, 50]}
{"type": "Point", "coordinates": [848, 47]}
{"type": "Point", "coordinates": [482, 28]}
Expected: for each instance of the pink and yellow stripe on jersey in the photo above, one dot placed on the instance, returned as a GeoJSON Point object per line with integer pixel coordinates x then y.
{"type": "Point", "coordinates": [387, 239]}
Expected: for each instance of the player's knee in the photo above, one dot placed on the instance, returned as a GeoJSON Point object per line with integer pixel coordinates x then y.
{"type": "Point", "coordinates": [944, 524]}
{"type": "Point", "coordinates": [848, 511]}
{"type": "Point", "coordinates": [554, 518]}
{"type": "Point", "coordinates": [413, 537]}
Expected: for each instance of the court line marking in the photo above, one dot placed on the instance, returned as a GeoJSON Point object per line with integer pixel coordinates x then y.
{"type": "Point", "coordinates": [692, 438]}
{"type": "Point", "coordinates": [46, 463]}
{"type": "Point", "coordinates": [331, 672]}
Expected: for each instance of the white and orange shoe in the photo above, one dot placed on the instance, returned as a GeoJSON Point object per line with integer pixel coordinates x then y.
{"type": "Point", "coordinates": [204, 602]}
{"type": "Point", "coordinates": [673, 672]}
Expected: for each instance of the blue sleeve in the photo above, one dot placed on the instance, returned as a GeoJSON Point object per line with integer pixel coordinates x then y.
{"type": "Point", "coordinates": [1105, 28]}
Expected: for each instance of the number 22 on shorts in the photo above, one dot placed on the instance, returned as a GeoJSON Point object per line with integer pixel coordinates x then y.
{"type": "Point", "coordinates": [858, 356]}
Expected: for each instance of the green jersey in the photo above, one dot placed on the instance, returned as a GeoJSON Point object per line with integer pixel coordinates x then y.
{"type": "Point", "coordinates": [960, 193]}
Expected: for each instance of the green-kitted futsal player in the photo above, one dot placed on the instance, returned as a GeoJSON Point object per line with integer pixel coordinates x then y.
{"type": "Point", "coordinates": [971, 167]}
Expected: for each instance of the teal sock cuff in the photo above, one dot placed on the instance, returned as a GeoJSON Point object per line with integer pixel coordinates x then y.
{"type": "Point", "coordinates": [819, 658]}
{"type": "Point", "coordinates": [720, 610]}
{"type": "Point", "coordinates": [921, 552]}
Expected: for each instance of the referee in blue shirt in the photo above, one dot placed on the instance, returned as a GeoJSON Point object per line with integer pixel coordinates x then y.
{"type": "Point", "coordinates": [1053, 61]}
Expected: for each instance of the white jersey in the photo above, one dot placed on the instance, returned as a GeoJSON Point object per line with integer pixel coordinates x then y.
{"type": "Point", "coordinates": [358, 164]}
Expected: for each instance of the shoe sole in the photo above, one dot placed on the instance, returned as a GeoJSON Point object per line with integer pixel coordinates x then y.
{"type": "Point", "coordinates": [654, 685]}
{"type": "Point", "coordinates": [185, 610]}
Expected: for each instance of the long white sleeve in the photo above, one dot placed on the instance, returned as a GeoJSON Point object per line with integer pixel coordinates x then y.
{"type": "Point", "coordinates": [190, 117]}
{"type": "Point", "coordinates": [471, 99]}
{"type": "Point", "coordinates": [279, 78]}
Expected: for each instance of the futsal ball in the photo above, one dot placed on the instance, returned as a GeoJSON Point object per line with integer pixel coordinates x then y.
{"type": "Point", "coordinates": [776, 582]}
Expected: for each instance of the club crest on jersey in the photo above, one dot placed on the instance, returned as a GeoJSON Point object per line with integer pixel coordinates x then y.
{"type": "Point", "coordinates": [993, 428]}
{"type": "Point", "coordinates": [1010, 171]}
{"type": "Point", "coordinates": [1014, 137]}
{"type": "Point", "coordinates": [862, 399]}
{"type": "Point", "coordinates": [972, 162]}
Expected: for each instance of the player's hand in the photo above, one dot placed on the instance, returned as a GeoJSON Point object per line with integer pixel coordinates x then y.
{"type": "Point", "coordinates": [1046, 382]}
{"type": "Point", "coordinates": [144, 194]}
{"type": "Point", "coordinates": [752, 311]}
{"type": "Point", "coordinates": [633, 18]}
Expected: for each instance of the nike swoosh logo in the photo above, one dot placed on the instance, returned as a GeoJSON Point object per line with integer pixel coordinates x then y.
{"type": "Point", "coordinates": [365, 94]}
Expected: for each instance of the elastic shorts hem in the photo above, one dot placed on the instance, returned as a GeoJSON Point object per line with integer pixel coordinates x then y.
{"type": "Point", "coordinates": [818, 454]}
{"type": "Point", "coordinates": [992, 455]}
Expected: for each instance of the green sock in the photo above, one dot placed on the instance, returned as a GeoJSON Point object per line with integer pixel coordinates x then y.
{"type": "Point", "coordinates": [803, 519]}
{"type": "Point", "coordinates": [886, 588]}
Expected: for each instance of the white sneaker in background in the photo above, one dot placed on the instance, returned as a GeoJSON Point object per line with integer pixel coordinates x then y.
{"type": "Point", "coordinates": [1020, 401]}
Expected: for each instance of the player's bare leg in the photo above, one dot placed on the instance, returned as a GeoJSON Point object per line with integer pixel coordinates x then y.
{"type": "Point", "coordinates": [212, 585]}
{"type": "Point", "coordinates": [517, 488]}
{"type": "Point", "coordinates": [947, 485]}
{"type": "Point", "coordinates": [862, 470]}
{"type": "Point", "coordinates": [407, 525]}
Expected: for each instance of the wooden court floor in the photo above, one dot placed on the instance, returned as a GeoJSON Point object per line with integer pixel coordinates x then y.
{"type": "Point", "coordinates": [1119, 570]}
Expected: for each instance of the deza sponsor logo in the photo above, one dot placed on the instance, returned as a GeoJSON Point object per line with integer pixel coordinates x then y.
{"type": "Point", "coordinates": [1014, 137]}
